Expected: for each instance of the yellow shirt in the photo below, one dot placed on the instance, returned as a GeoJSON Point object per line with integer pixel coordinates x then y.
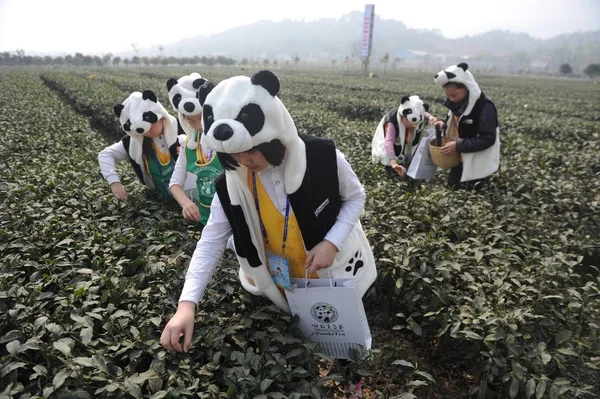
{"type": "Point", "coordinates": [273, 221]}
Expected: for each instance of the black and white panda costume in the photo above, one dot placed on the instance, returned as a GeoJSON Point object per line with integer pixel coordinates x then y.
{"type": "Point", "coordinates": [196, 168]}
{"type": "Point", "coordinates": [239, 114]}
{"type": "Point", "coordinates": [479, 131]}
{"type": "Point", "coordinates": [412, 108]}
{"type": "Point", "coordinates": [136, 116]}
{"type": "Point", "coordinates": [183, 96]}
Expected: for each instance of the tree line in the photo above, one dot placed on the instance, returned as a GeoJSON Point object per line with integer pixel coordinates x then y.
{"type": "Point", "coordinates": [79, 59]}
{"type": "Point", "coordinates": [592, 70]}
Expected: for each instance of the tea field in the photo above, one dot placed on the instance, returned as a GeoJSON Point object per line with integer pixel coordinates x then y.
{"type": "Point", "coordinates": [485, 295]}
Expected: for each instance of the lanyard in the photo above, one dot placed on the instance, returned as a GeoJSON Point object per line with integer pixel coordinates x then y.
{"type": "Point", "coordinates": [262, 226]}
{"type": "Point", "coordinates": [204, 159]}
{"type": "Point", "coordinates": [454, 125]}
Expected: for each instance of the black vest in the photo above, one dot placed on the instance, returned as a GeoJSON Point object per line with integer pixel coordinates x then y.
{"type": "Point", "coordinates": [316, 203]}
{"type": "Point", "coordinates": [392, 117]}
{"type": "Point", "coordinates": [148, 151]}
{"type": "Point", "coordinates": [470, 130]}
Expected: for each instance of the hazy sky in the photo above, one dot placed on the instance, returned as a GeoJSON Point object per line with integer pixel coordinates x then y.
{"type": "Point", "coordinates": [83, 25]}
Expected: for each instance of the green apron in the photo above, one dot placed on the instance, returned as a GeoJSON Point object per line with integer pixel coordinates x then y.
{"type": "Point", "coordinates": [205, 169]}
{"type": "Point", "coordinates": [160, 171]}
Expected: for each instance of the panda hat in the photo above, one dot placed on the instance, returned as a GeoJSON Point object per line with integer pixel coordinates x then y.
{"type": "Point", "coordinates": [242, 112]}
{"type": "Point", "coordinates": [184, 98]}
{"type": "Point", "coordinates": [413, 109]}
{"type": "Point", "coordinates": [460, 74]}
{"type": "Point", "coordinates": [137, 114]}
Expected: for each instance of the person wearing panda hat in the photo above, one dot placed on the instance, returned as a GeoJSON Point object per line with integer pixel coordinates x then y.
{"type": "Point", "coordinates": [192, 183]}
{"type": "Point", "coordinates": [291, 201]}
{"type": "Point", "coordinates": [398, 133]}
{"type": "Point", "coordinates": [150, 144]}
{"type": "Point", "coordinates": [473, 120]}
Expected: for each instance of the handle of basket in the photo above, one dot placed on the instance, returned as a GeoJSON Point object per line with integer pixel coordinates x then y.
{"type": "Point", "coordinates": [438, 135]}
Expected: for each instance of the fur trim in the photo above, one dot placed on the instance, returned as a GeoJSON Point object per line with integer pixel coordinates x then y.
{"type": "Point", "coordinates": [477, 165]}
{"type": "Point", "coordinates": [189, 132]}
{"type": "Point", "coordinates": [256, 280]}
{"type": "Point", "coordinates": [378, 152]}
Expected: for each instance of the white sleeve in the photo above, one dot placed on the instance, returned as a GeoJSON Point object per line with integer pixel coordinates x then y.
{"type": "Point", "coordinates": [353, 201]}
{"type": "Point", "coordinates": [180, 172]}
{"type": "Point", "coordinates": [208, 251]}
{"type": "Point", "coordinates": [108, 159]}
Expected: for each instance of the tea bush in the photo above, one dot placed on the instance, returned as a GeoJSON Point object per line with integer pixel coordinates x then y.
{"type": "Point", "coordinates": [87, 284]}
{"type": "Point", "coordinates": [506, 280]}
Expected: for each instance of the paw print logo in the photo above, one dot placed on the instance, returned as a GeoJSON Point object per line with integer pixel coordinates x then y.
{"type": "Point", "coordinates": [355, 263]}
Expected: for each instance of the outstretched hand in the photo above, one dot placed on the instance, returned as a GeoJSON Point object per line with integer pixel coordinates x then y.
{"type": "Point", "coordinates": [181, 323]}
{"type": "Point", "coordinates": [401, 170]}
{"type": "Point", "coordinates": [190, 212]}
{"type": "Point", "coordinates": [119, 191]}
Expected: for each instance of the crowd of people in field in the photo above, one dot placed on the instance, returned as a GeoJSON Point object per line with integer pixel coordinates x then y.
{"type": "Point", "coordinates": [287, 204]}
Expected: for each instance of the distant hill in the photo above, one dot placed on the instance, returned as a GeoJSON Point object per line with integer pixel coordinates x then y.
{"type": "Point", "coordinates": [329, 38]}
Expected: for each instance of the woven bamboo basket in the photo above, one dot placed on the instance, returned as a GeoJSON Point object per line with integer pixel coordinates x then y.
{"type": "Point", "coordinates": [443, 161]}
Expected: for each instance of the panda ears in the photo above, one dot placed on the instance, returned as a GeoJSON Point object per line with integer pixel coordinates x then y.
{"type": "Point", "coordinates": [118, 108]}
{"type": "Point", "coordinates": [268, 80]}
{"type": "Point", "coordinates": [426, 106]}
{"type": "Point", "coordinates": [170, 83]}
{"type": "Point", "coordinates": [464, 66]}
{"type": "Point", "coordinates": [149, 95]}
{"type": "Point", "coordinates": [204, 90]}
{"type": "Point", "coordinates": [404, 99]}
{"type": "Point", "coordinates": [197, 83]}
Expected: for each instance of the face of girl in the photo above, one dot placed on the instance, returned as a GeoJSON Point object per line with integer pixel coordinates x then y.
{"type": "Point", "coordinates": [156, 129]}
{"type": "Point", "coordinates": [407, 124]}
{"type": "Point", "coordinates": [455, 94]}
{"type": "Point", "coordinates": [254, 160]}
{"type": "Point", "coordinates": [195, 121]}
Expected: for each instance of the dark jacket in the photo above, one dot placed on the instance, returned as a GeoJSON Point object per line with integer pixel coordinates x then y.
{"type": "Point", "coordinates": [477, 131]}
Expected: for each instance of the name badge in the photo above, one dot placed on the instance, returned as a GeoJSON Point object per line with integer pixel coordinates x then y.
{"type": "Point", "coordinates": [468, 121]}
{"type": "Point", "coordinates": [279, 268]}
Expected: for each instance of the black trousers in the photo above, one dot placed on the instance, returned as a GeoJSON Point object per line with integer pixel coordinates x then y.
{"type": "Point", "coordinates": [455, 183]}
